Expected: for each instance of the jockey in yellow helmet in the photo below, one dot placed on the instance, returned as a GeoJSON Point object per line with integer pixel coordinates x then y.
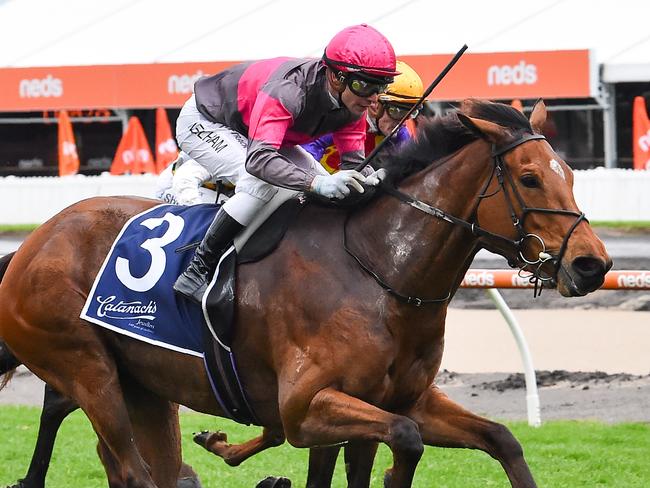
{"type": "Point", "coordinates": [382, 116]}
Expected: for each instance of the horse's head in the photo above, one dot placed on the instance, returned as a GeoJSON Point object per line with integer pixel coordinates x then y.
{"type": "Point", "coordinates": [530, 202]}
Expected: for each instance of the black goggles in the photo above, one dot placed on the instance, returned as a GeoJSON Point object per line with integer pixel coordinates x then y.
{"type": "Point", "coordinates": [363, 88]}
{"type": "Point", "coordinates": [397, 112]}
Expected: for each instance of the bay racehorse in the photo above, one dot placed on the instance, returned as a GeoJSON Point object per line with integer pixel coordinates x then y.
{"type": "Point", "coordinates": [340, 331]}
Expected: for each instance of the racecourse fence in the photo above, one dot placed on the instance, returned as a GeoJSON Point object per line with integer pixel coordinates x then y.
{"type": "Point", "coordinates": [508, 278]}
{"type": "Point", "coordinates": [603, 194]}
{"type": "Point", "coordinates": [491, 279]}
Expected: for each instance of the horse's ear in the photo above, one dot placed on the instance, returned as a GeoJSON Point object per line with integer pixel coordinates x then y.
{"type": "Point", "coordinates": [538, 116]}
{"type": "Point", "coordinates": [467, 105]}
{"type": "Point", "coordinates": [484, 128]}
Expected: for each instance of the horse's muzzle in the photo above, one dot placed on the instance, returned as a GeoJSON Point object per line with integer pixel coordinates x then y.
{"type": "Point", "coordinates": [583, 275]}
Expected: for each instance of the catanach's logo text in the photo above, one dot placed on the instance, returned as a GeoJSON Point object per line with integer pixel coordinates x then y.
{"type": "Point", "coordinates": [125, 310]}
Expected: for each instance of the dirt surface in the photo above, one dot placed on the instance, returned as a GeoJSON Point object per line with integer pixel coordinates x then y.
{"type": "Point", "coordinates": [562, 395]}
{"type": "Point", "coordinates": [500, 396]}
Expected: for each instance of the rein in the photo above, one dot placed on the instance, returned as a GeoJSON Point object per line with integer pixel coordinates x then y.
{"type": "Point", "coordinates": [504, 179]}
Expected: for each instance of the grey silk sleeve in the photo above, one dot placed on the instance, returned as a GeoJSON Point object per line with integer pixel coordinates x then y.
{"type": "Point", "coordinates": [266, 163]}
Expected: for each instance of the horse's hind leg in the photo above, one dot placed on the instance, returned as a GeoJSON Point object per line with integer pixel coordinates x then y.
{"type": "Point", "coordinates": [157, 433]}
{"type": "Point", "coordinates": [92, 380]}
{"type": "Point", "coordinates": [444, 423]}
{"type": "Point", "coordinates": [359, 458]}
{"type": "Point", "coordinates": [56, 408]}
{"type": "Point", "coordinates": [322, 461]}
{"type": "Point", "coordinates": [235, 454]}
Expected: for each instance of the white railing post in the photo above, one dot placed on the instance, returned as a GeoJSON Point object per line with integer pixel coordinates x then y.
{"type": "Point", "coordinates": [532, 398]}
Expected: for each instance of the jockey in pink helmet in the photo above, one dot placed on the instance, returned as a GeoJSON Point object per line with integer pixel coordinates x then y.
{"type": "Point", "coordinates": [244, 126]}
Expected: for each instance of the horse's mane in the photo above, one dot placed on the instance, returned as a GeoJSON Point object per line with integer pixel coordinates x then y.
{"type": "Point", "coordinates": [444, 135]}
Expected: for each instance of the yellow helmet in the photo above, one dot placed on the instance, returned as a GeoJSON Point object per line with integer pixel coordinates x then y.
{"type": "Point", "coordinates": [407, 87]}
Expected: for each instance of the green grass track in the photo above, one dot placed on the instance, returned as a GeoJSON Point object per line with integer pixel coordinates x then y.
{"type": "Point", "coordinates": [561, 454]}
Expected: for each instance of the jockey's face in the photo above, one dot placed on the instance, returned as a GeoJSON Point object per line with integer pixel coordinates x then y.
{"type": "Point", "coordinates": [356, 104]}
{"type": "Point", "coordinates": [385, 122]}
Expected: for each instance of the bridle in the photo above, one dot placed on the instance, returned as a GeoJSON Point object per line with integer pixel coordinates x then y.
{"type": "Point", "coordinates": [488, 239]}
{"type": "Point", "coordinates": [506, 184]}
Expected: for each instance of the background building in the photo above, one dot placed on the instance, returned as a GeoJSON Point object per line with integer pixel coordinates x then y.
{"type": "Point", "coordinates": [106, 61]}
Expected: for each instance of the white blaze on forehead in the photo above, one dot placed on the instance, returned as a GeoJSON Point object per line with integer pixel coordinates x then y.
{"type": "Point", "coordinates": [557, 167]}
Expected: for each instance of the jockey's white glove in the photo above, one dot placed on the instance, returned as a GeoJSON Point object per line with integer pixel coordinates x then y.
{"type": "Point", "coordinates": [338, 185]}
{"type": "Point", "coordinates": [187, 182]}
{"type": "Point", "coordinates": [376, 177]}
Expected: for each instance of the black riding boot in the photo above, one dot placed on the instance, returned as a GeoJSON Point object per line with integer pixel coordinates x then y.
{"type": "Point", "coordinates": [195, 279]}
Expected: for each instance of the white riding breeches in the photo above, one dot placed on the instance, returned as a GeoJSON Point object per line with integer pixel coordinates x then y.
{"type": "Point", "coordinates": [222, 152]}
{"type": "Point", "coordinates": [217, 148]}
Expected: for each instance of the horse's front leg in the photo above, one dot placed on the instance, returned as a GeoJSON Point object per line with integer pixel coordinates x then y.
{"type": "Point", "coordinates": [332, 417]}
{"type": "Point", "coordinates": [235, 454]}
{"type": "Point", "coordinates": [444, 423]}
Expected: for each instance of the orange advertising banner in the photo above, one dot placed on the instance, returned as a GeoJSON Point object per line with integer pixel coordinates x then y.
{"type": "Point", "coordinates": [523, 75]}
{"type": "Point", "coordinates": [112, 86]}
{"type": "Point", "coordinates": [498, 76]}
{"type": "Point", "coordinates": [640, 135]}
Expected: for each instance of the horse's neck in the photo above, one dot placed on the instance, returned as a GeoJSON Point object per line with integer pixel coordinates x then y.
{"type": "Point", "coordinates": [416, 253]}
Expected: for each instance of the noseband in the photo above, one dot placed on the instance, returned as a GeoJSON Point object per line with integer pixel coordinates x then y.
{"type": "Point", "coordinates": [507, 186]}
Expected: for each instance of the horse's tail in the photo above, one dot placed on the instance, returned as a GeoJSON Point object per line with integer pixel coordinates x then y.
{"type": "Point", "coordinates": [8, 362]}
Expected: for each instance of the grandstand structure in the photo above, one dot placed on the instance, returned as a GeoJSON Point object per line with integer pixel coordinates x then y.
{"type": "Point", "coordinates": [106, 61]}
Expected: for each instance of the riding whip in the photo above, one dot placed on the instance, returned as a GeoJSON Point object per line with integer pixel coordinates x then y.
{"type": "Point", "coordinates": [426, 93]}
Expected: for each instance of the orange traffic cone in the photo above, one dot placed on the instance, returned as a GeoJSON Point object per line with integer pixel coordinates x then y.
{"type": "Point", "coordinates": [166, 150]}
{"type": "Point", "coordinates": [68, 158]}
{"type": "Point", "coordinates": [133, 154]}
{"type": "Point", "coordinates": [640, 135]}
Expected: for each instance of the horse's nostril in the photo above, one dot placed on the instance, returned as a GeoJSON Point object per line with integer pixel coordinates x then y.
{"type": "Point", "coordinates": [588, 267]}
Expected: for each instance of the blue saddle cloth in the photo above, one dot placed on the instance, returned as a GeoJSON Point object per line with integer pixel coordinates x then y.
{"type": "Point", "coordinates": [132, 293]}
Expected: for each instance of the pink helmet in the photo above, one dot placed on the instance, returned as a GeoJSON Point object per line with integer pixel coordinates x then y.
{"type": "Point", "coordinates": [363, 50]}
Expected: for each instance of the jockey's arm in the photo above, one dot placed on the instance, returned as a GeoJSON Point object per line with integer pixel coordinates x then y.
{"type": "Point", "coordinates": [187, 180]}
{"type": "Point", "coordinates": [350, 142]}
{"type": "Point", "coordinates": [270, 121]}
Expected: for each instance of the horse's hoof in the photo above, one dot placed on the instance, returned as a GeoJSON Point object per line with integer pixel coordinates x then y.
{"type": "Point", "coordinates": [188, 483]}
{"type": "Point", "coordinates": [205, 438]}
{"type": "Point", "coordinates": [201, 437]}
{"type": "Point", "coordinates": [273, 482]}
{"type": "Point", "coordinates": [19, 484]}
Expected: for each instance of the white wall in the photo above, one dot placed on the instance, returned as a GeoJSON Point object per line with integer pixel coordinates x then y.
{"type": "Point", "coordinates": [613, 194]}
{"type": "Point", "coordinates": [603, 194]}
{"type": "Point", "coordinates": [33, 200]}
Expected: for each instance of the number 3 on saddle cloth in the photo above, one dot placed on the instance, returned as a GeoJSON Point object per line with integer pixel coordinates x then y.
{"type": "Point", "coordinates": [132, 293]}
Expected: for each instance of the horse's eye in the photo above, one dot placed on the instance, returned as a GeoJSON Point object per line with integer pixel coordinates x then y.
{"type": "Point", "coordinates": [529, 181]}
